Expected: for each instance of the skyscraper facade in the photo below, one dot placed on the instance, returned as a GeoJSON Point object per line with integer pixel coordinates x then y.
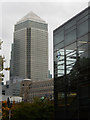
{"type": "Point", "coordinates": [29, 56]}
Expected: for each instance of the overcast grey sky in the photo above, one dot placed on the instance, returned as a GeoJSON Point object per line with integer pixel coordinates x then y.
{"type": "Point", "coordinates": [54, 13]}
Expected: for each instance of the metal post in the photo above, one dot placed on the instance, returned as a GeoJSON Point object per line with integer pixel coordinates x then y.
{"type": "Point", "coordinates": [9, 114]}
{"type": "Point", "coordinates": [65, 89]}
{"type": "Point", "coordinates": [9, 106]}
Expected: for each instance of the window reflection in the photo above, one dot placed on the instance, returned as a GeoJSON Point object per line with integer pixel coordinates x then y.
{"type": "Point", "coordinates": [59, 37]}
{"type": "Point", "coordinates": [60, 62]}
{"type": "Point", "coordinates": [61, 101]}
{"type": "Point", "coordinates": [82, 28]}
{"type": "Point", "coordinates": [70, 57]}
{"type": "Point", "coordinates": [70, 37]}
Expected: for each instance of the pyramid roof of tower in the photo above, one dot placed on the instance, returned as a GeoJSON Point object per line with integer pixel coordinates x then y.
{"type": "Point", "coordinates": [31, 16]}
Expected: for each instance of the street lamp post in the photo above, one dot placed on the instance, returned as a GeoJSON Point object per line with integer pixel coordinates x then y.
{"type": "Point", "coordinates": [9, 103]}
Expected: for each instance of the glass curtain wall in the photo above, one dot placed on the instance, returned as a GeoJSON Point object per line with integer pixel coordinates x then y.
{"type": "Point", "coordinates": [72, 67]}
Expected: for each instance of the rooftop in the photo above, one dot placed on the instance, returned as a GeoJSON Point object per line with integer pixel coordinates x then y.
{"type": "Point", "coordinates": [31, 16]}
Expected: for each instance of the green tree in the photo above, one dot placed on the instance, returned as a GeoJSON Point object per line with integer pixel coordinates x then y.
{"type": "Point", "coordinates": [33, 111]}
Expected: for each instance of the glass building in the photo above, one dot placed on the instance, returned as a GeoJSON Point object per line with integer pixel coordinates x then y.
{"type": "Point", "coordinates": [72, 68]}
{"type": "Point", "coordinates": [29, 56]}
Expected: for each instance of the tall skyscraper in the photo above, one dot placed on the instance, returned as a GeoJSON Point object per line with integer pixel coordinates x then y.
{"type": "Point", "coordinates": [29, 56]}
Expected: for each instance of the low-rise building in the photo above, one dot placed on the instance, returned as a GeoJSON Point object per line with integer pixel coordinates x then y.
{"type": "Point", "coordinates": [25, 89]}
{"type": "Point", "coordinates": [11, 89]}
{"type": "Point", "coordinates": [30, 90]}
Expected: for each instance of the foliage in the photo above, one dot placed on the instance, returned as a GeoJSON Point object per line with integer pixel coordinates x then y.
{"type": "Point", "coordinates": [5, 110]}
{"type": "Point", "coordinates": [31, 111]}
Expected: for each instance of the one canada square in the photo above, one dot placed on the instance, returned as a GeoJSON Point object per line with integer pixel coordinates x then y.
{"type": "Point", "coordinates": [29, 56]}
